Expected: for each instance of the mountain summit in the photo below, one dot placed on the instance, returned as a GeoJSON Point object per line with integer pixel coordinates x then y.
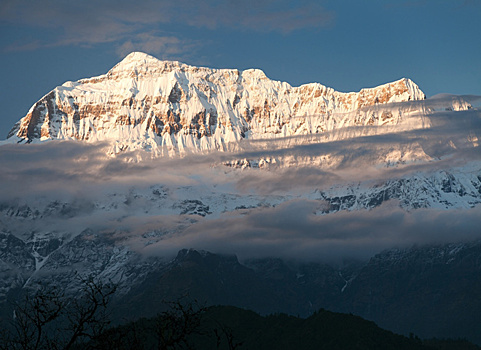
{"type": "Point", "coordinates": [146, 103]}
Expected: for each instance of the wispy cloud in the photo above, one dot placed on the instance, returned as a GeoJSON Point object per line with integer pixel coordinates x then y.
{"type": "Point", "coordinates": [164, 46]}
{"type": "Point", "coordinates": [145, 24]}
{"type": "Point", "coordinates": [286, 226]}
{"type": "Point", "coordinates": [265, 15]}
{"type": "Point", "coordinates": [292, 231]}
{"type": "Point", "coordinates": [69, 164]}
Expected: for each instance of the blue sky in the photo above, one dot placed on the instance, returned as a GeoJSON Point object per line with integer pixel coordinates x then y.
{"type": "Point", "coordinates": [344, 44]}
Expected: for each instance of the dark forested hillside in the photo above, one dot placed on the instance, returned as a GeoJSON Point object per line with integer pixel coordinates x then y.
{"type": "Point", "coordinates": [227, 327]}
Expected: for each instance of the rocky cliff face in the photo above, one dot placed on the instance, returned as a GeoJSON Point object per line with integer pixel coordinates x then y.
{"type": "Point", "coordinates": [162, 106]}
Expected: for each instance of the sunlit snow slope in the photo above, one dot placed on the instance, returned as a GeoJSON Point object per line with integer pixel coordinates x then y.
{"type": "Point", "coordinates": [169, 107]}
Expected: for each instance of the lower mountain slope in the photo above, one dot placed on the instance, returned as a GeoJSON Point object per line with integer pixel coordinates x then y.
{"type": "Point", "coordinates": [435, 291]}
{"type": "Point", "coordinates": [431, 291]}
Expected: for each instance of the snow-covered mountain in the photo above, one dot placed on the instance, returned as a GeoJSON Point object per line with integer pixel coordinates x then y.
{"type": "Point", "coordinates": [267, 170]}
{"type": "Point", "coordinates": [169, 107]}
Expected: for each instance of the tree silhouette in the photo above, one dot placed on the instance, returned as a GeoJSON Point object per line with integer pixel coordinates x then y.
{"type": "Point", "coordinates": [48, 319]}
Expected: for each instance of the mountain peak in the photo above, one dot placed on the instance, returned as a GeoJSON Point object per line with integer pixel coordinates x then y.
{"type": "Point", "coordinates": [147, 103]}
{"type": "Point", "coordinates": [136, 59]}
{"type": "Point", "coordinates": [136, 63]}
{"type": "Point", "coordinates": [138, 56]}
{"type": "Point", "coordinates": [413, 88]}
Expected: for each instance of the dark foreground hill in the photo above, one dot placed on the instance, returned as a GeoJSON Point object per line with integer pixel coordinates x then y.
{"type": "Point", "coordinates": [49, 319]}
{"type": "Point", "coordinates": [227, 327]}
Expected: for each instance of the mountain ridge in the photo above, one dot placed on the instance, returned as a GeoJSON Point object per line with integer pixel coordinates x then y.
{"type": "Point", "coordinates": [170, 107]}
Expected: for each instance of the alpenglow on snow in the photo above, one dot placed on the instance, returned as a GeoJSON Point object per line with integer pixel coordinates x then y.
{"type": "Point", "coordinates": [170, 107]}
